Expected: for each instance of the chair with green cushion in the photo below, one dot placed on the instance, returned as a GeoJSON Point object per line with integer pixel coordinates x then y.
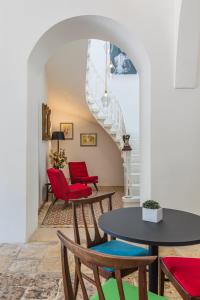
{"type": "Point", "coordinates": [113, 288]}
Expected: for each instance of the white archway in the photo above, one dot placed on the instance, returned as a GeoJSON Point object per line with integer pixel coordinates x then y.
{"type": "Point", "coordinates": [84, 27]}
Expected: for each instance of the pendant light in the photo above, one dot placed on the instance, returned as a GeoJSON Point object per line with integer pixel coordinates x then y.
{"type": "Point", "coordinates": [105, 99]}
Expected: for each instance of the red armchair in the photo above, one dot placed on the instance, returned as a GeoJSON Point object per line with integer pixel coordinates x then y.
{"type": "Point", "coordinates": [62, 190]}
{"type": "Point", "coordinates": [79, 174]}
{"type": "Point", "coordinates": [184, 274]}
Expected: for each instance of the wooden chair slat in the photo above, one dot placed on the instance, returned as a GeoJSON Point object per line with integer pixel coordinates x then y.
{"type": "Point", "coordinates": [88, 238]}
{"type": "Point", "coordinates": [67, 284]}
{"type": "Point", "coordinates": [101, 206]}
{"type": "Point", "coordinates": [80, 277]}
{"type": "Point", "coordinates": [98, 283]}
{"type": "Point", "coordinates": [89, 279]}
{"type": "Point", "coordinates": [97, 237]}
{"type": "Point", "coordinates": [142, 283]}
{"type": "Point", "coordinates": [119, 284]}
{"type": "Point", "coordinates": [75, 225]}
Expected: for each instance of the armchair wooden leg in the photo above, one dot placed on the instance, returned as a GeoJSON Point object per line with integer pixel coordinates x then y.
{"type": "Point", "coordinates": [65, 205]}
{"type": "Point", "coordinates": [96, 187]}
{"type": "Point", "coordinates": [162, 282]}
{"type": "Point", "coordinates": [54, 201]}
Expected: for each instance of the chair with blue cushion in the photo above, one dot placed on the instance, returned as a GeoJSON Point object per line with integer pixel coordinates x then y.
{"type": "Point", "coordinates": [97, 241]}
{"type": "Point", "coordinates": [113, 288]}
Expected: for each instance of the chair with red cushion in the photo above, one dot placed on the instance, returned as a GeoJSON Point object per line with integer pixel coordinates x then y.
{"type": "Point", "coordinates": [62, 190]}
{"type": "Point", "coordinates": [184, 273]}
{"type": "Point", "coordinates": [79, 174]}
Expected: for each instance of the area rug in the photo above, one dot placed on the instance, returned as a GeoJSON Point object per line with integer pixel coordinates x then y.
{"type": "Point", "coordinates": [56, 216]}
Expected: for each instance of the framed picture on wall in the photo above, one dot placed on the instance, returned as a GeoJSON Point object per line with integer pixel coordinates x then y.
{"type": "Point", "coordinates": [46, 122]}
{"type": "Point", "coordinates": [68, 129]}
{"type": "Point", "coordinates": [122, 65]}
{"type": "Point", "coordinates": [88, 139]}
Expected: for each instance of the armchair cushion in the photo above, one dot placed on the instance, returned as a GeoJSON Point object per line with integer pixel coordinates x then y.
{"type": "Point", "coordinates": [87, 179]}
{"type": "Point", "coordinates": [119, 248]}
{"type": "Point", "coordinates": [186, 271]}
{"type": "Point", "coordinates": [78, 191]}
{"type": "Point", "coordinates": [110, 290]}
{"type": "Point", "coordinates": [116, 247]}
{"type": "Point", "coordinates": [79, 173]}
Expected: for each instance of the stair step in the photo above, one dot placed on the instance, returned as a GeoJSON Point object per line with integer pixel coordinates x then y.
{"type": "Point", "coordinates": [113, 131]}
{"type": "Point", "coordinates": [107, 125]}
{"type": "Point", "coordinates": [133, 163]}
{"type": "Point", "coordinates": [134, 174]}
{"type": "Point", "coordinates": [136, 197]}
{"type": "Point", "coordinates": [118, 138]}
{"type": "Point", "coordinates": [90, 100]}
{"type": "Point", "coordinates": [100, 117]}
{"type": "Point", "coordinates": [113, 134]}
{"type": "Point", "coordinates": [95, 109]}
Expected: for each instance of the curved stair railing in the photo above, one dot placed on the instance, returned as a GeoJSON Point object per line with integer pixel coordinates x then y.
{"type": "Point", "coordinates": [110, 117]}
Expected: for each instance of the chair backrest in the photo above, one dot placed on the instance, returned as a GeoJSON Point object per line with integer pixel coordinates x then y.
{"type": "Point", "coordinates": [77, 169]}
{"type": "Point", "coordinates": [85, 207]}
{"type": "Point", "coordinates": [94, 260]}
{"type": "Point", "coordinates": [58, 183]}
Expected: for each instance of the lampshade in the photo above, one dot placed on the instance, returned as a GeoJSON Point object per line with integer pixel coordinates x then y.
{"type": "Point", "coordinates": [58, 135]}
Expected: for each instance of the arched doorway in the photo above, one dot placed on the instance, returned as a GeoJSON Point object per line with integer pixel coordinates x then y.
{"type": "Point", "coordinates": [82, 27]}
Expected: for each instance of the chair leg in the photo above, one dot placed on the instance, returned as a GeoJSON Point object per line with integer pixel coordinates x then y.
{"type": "Point", "coordinates": [76, 284]}
{"type": "Point", "coordinates": [162, 282]}
{"type": "Point", "coordinates": [54, 201]}
{"type": "Point", "coordinates": [96, 187]}
{"type": "Point", "coordinates": [65, 205]}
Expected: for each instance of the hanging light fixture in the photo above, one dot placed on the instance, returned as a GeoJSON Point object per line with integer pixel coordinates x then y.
{"type": "Point", "coordinates": [105, 98]}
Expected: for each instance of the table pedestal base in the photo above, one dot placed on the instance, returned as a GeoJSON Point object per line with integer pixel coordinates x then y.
{"type": "Point", "coordinates": [153, 270]}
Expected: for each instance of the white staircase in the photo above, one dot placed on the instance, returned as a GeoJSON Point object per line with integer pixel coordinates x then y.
{"type": "Point", "coordinates": [110, 117]}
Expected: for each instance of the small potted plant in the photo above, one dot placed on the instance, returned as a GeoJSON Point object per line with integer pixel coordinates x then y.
{"type": "Point", "coordinates": [151, 211]}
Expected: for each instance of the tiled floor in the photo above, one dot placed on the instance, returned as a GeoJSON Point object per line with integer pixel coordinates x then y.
{"type": "Point", "coordinates": [33, 270]}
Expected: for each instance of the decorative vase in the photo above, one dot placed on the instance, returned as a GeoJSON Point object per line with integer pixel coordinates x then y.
{"type": "Point", "coordinates": [126, 146]}
{"type": "Point", "coordinates": [152, 215]}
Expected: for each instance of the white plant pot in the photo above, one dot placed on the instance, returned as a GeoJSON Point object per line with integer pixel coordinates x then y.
{"type": "Point", "coordinates": [152, 215]}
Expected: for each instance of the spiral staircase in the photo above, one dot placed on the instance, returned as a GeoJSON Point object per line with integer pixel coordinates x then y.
{"type": "Point", "coordinates": [110, 116]}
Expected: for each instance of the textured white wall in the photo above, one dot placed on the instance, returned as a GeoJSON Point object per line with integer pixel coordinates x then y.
{"type": "Point", "coordinates": [169, 123]}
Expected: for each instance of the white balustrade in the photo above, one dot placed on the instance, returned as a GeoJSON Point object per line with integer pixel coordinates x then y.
{"type": "Point", "coordinates": [109, 115]}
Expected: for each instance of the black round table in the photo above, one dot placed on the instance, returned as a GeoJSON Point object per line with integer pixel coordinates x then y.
{"type": "Point", "coordinates": [178, 228]}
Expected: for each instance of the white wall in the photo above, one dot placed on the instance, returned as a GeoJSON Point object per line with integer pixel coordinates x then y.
{"type": "Point", "coordinates": [170, 123]}
{"type": "Point", "coordinates": [66, 72]}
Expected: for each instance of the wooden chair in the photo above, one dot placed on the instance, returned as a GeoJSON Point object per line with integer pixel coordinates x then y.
{"type": "Point", "coordinates": [101, 242]}
{"type": "Point", "coordinates": [113, 289]}
{"type": "Point", "coordinates": [184, 274]}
